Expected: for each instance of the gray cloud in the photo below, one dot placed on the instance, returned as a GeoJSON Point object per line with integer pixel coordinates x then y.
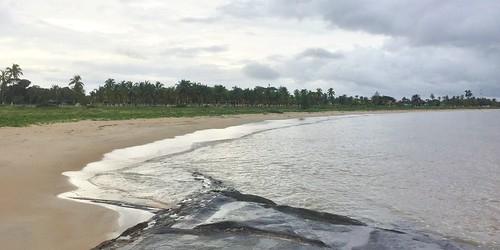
{"type": "Point", "coordinates": [438, 70]}
{"type": "Point", "coordinates": [319, 53]}
{"type": "Point", "coordinates": [260, 71]}
{"type": "Point", "coordinates": [426, 22]}
{"type": "Point", "coordinates": [432, 45]}
{"type": "Point", "coordinates": [131, 54]}
{"type": "Point", "coordinates": [397, 47]}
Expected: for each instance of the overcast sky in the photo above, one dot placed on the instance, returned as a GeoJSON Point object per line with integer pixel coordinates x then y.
{"type": "Point", "coordinates": [396, 47]}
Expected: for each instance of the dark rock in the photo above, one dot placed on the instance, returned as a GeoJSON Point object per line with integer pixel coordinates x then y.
{"type": "Point", "coordinates": [223, 218]}
{"type": "Point", "coordinates": [216, 221]}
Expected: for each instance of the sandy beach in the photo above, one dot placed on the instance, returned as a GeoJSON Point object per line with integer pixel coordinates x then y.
{"type": "Point", "coordinates": [33, 158]}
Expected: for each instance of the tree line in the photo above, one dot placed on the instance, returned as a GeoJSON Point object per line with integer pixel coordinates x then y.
{"type": "Point", "coordinates": [17, 91]}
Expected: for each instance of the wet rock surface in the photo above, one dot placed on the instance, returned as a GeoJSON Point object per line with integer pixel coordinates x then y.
{"type": "Point", "coordinates": [222, 218]}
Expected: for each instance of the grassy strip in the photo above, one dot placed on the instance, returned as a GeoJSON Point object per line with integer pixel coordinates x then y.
{"type": "Point", "coordinates": [24, 116]}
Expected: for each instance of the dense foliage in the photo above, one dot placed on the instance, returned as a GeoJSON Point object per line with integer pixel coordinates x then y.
{"type": "Point", "coordinates": [14, 90]}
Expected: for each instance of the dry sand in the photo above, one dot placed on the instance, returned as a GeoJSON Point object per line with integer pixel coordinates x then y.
{"type": "Point", "coordinates": [33, 158]}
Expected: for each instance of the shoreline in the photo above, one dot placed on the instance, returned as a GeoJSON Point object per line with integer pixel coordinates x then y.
{"type": "Point", "coordinates": [34, 158]}
{"type": "Point", "coordinates": [131, 157]}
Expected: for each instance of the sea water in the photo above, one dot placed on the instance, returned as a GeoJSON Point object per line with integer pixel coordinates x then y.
{"type": "Point", "coordinates": [437, 172]}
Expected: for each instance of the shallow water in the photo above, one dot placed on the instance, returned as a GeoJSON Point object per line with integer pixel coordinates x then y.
{"type": "Point", "coordinates": [434, 171]}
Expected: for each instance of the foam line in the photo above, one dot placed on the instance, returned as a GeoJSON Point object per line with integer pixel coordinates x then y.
{"type": "Point", "coordinates": [137, 155]}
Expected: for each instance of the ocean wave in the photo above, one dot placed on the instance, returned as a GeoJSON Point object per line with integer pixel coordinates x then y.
{"type": "Point", "coordinates": [97, 184]}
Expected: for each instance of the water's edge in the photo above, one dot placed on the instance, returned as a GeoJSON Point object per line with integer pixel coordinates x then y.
{"type": "Point", "coordinates": [129, 215]}
{"type": "Point", "coordinates": [142, 224]}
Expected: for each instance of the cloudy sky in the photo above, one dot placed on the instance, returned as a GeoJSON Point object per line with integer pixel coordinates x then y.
{"type": "Point", "coordinates": [396, 47]}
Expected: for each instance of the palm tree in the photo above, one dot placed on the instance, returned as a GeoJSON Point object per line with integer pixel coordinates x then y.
{"type": "Point", "coordinates": [331, 95]}
{"type": "Point", "coordinates": [183, 89]}
{"type": "Point", "coordinates": [468, 94]}
{"type": "Point", "coordinates": [14, 72]}
{"type": "Point", "coordinates": [296, 96]}
{"type": "Point", "coordinates": [77, 84]}
{"type": "Point", "coordinates": [416, 100]}
{"type": "Point", "coordinates": [157, 92]}
{"type": "Point", "coordinates": [4, 78]}
{"type": "Point", "coordinates": [109, 87]}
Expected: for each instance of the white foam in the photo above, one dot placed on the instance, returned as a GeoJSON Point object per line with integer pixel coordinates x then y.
{"type": "Point", "coordinates": [137, 155]}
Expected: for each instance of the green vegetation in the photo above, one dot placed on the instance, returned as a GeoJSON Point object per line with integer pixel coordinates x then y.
{"type": "Point", "coordinates": [25, 104]}
{"type": "Point", "coordinates": [17, 116]}
{"type": "Point", "coordinates": [22, 116]}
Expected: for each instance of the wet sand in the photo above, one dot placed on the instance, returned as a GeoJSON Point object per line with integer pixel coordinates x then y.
{"type": "Point", "coordinates": [33, 158]}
